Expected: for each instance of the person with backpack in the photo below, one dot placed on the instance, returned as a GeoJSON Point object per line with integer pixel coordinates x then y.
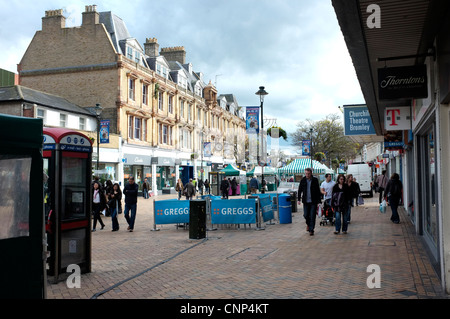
{"type": "Point", "coordinates": [340, 200]}
{"type": "Point", "coordinates": [393, 194]}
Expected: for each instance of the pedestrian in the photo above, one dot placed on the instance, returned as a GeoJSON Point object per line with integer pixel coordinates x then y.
{"type": "Point", "coordinates": [233, 186]}
{"type": "Point", "coordinates": [394, 193]}
{"type": "Point", "coordinates": [263, 186]}
{"type": "Point", "coordinates": [145, 188]}
{"type": "Point", "coordinates": [224, 188]}
{"type": "Point", "coordinates": [340, 198]}
{"type": "Point", "coordinates": [254, 185]}
{"type": "Point", "coordinates": [354, 193]}
{"type": "Point", "coordinates": [131, 193]}
{"type": "Point", "coordinates": [179, 188]}
{"type": "Point", "coordinates": [200, 186]}
{"type": "Point", "coordinates": [207, 187]}
{"type": "Point", "coordinates": [326, 188]}
{"type": "Point", "coordinates": [189, 189]}
{"type": "Point", "coordinates": [382, 181]}
{"type": "Point", "coordinates": [309, 192]}
{"type": "Point", "coordinates": [115, 205]}
{"type": "Point", "coordinates": [98, 204]}
{"type": "Point", "coordinates": [194, 182]}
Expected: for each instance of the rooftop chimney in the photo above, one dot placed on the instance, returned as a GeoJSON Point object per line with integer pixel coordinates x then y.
{"type": "Point", "coordinates": [174, 54]}
{"type": "Point", "coordinates": [53, 19]}
{"type": "Point", "coordinates": [90, 15]}
{"type": "Point", "coordinates": [151, 47]}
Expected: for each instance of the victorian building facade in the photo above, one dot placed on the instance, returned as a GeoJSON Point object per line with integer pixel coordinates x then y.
{"type": "Point", "coordinates": [160, 111]}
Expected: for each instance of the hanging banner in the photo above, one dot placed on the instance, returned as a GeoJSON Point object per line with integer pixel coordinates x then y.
{"type": "Point", "coordinates": [252, 119]}
{"type": "Point", "coordinates": [403, 82]}
{"type": "Point", "coordinates": [171, 211]}
{"type": "Point", "coordinates": [357, 121]}
{"type": "Point", "coordinates": [207, 149]}
{"type": "Point", "coordinates": [104, 131]}
{"type": "Point", "coordinates": [306, 148]}
{"type": "Point", "coordinates": [233, 211]}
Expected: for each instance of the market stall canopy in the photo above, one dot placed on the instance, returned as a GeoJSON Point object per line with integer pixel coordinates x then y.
{"type": "Point", "coordinates": [257, 170]}
{"type": "Point", "coordinates": [230, 170]}
{"type": "Point", "coordinates": [298, 167]}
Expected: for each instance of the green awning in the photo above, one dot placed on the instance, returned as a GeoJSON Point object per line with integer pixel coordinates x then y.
{"type": "Point", "coordinates": [298, 167]}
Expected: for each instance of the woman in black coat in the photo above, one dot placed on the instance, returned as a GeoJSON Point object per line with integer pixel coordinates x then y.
{"type": "Point", "coordinates": [98, 204]}
{"type": "Point", "coordinates": [115, 205]}
{"type": "Point", "coordinates": [340, 200]}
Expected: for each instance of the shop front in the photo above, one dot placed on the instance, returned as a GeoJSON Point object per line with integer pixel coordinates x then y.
{"type": "Point", "coordinates": [165, 171]}
{"type": "Point", "coordinates": [137, 166]}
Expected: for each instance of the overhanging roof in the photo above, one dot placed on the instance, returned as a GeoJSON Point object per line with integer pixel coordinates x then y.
{"type": "Point", "coordinates": [407, 28]}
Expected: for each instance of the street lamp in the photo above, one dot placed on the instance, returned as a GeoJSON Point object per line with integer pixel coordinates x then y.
{"type": "Point", "coordinates": [98, 111]}
{"type": "Point", "coordinates": [311, 147]}
{"type": "Point", "coordinates": [262, 93]}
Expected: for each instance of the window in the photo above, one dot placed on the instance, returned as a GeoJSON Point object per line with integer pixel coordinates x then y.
{"type": "Point", "coordinates": [160, 101]}
{"type": "Point", "coordinates": [144, 94]}
{"type": "Point", "coordinates": [185, 139]}
{"type": "Point", "coordinates": [205, 119]}
{"type": "Point", "coordinates": [165, 134]}
{"type": "Point", "coordinates": [199, 116]}
{"type": "Point", "coordinates": [40, 114]}
{"type": "Point", "coordinates": [82, 123]}
{"type": "Point", "coordinates": [62, 120]}
{"type": "Point", "coordinates": [181, 108]}
{"type": "Point", "coordinates": [130, 53]}
{"type": "Point", "coordinates": [137, 128]}
{"type": "Point", "coordinates": [137, 57]}
{"type": "Point", "coordinates": [189, 112]}
{"type": "Point", "coordinates": [130, 127]}
{"type": "Point", "coordinates": [170, 106]}
{"type": "Point", "coordinates": [131, 88]}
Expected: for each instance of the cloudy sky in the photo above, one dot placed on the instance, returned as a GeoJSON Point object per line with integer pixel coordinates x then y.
{"type": "Point", "coordinates": [292, 47]}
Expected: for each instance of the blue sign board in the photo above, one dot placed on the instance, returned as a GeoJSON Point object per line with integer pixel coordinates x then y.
{"type": "Point", "coordinates": [104, 131]}
{"type": "Point", "coordinates": [266, 207]}
{"type": "Point", "coordinates": [171, 211]}
{"type": "Point", "coordinates": [233, 211]}
{"type": "Point", "coordinates": [357, 121]}
{"type": "Point", "coordinates": [252, 119]}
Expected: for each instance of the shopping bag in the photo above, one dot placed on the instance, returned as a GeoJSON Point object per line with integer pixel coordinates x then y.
{"type": "Point", "coordinates": [383, 207]}
{"type": "Point", "coordinates": [360, 200]}
{"type": "Point", "coordinates": [319, 210]}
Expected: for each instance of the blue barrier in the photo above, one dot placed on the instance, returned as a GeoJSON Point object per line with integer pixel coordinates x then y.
{"type": "Point", "coordinates": [171, 211]}
{"type": "Point", "coordinates": [265, 202]}
{"type": "Point", "coordinates": [233, 211]}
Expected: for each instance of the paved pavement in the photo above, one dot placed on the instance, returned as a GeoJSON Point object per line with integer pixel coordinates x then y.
{"type": "Point", "coordinates": [280, 262]}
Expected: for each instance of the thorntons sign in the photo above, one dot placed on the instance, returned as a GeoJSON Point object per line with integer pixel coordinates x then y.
{"type": "Point", "coordinates": [403, 82]}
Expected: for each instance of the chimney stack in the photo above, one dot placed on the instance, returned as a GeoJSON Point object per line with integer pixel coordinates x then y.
{"type": "Point", "coordinates": [90, 15]}
{"type": "Point", "coordinates": [151, 47]}
{"type": "Point", "coordinates": [174, 54]}
{"type": "Point", "coordinates": [53, 19]}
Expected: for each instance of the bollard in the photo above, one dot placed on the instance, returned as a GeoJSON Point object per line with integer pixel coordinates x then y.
{"type": "Point", "coordinates": [197, 219]}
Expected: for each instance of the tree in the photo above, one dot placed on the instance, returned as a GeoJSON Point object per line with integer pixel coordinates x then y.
{"type": "Point", "coordinates": [327, 137]}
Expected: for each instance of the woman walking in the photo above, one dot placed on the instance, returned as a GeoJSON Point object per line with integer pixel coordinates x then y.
{"type": "Point", "coordinates": [115, 205]}
{"type": "Point", "coordinates": [179, 188]}
{"type": "Point", "coordinates": [340, 199]}
{"type": "Point", "coordinates": [393, 194]}
{"type": "Point", "coordinates": [98, 204]}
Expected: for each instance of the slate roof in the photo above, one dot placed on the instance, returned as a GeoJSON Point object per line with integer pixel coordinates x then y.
{"type": "Point", "coordinates": [25, 94]}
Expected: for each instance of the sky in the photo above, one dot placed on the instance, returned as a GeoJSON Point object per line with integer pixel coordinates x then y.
{"type": "Point", "coordinates": [294, 48]}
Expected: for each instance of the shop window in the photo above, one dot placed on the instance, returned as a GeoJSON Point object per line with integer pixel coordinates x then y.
{"type": "Point", "coordinates": [131, 88]}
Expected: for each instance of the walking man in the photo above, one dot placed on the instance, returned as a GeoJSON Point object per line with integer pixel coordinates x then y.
{"type": "Point", "coordinates": [309, 192]}
{"type": "Point", "coordinates": [382, 183]}
{"type": "Point", "coordinates": [131, 193]}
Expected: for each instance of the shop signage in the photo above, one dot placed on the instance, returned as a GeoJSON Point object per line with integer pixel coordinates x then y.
{"type": "Point", "coordinates": [403, 82]}
{"type": "Point", "coordinates": [233, 211]}
{"type": "Point", "coordinates": [357, 121]}
{"type": "Point", "coordinates": [397, 118]}
{"type": "Point", "coordinates": [163, 161]}
{"type": "Point", "coordinates": [132, 159]}
{"type": "Point", "coordinates": [393, 140]}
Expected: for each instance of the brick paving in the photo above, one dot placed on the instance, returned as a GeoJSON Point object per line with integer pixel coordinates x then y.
{"type": "Point", "coordinates": [280, 262]}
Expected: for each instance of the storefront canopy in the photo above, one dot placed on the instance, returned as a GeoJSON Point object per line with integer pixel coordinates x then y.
{"type": "Point", "coordinates": [257, 170]}
{"type": "Point", "coordinates": [298, 167]}
{"type": "Point", "coordinates": [230, 170]}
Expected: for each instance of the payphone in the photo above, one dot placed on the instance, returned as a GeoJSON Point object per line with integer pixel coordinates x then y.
{"type": "Point", "coordinates": [67, 158]}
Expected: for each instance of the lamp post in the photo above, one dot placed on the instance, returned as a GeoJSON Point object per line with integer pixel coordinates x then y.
{"type": "Point", "coordinates": [98, 111]}
{"type": "Point", "coordinates": [262, 93]}
{"type": "Point", "coordinates": [311, 147]}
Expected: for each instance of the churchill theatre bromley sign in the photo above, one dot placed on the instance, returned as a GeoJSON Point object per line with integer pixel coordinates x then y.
{"type": "Point", "coordinates": [357, 120]}
{"type": "Point", "coordinates": [403, 82]}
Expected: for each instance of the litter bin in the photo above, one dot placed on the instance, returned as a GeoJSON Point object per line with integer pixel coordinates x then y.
{"type": "Point", "coordinates": [293, 195]}
{"type": "Point", "coordinates": [284, 209]}
{"type": "Point", "coordinates": [197, 219]}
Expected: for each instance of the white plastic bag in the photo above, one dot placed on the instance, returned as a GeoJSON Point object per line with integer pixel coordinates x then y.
{"type": "Point", "coordinates": [319, 210]}
{"type": "Point", "coordinates": [383, 206]}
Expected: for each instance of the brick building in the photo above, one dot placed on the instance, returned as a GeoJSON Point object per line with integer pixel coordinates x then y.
{"type": "Point", "coordinates": [160, 109]}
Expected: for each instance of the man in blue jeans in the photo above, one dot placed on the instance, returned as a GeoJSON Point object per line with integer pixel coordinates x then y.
{"type": "Point", "coordinates": [131, 192]}
{"type": "Point", "coordinates": [309, 192]}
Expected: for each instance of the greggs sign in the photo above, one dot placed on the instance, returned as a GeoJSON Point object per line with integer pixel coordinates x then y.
{"type": "Point", "coordinates": [403, 82]}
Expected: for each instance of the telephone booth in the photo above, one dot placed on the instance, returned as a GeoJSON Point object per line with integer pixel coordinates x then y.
{"type": "Point", "coordinates": [22, 245]}
{"type": "Point", "coordinates": [67, 157]}
{"type": "Point", "coordinates": [215, 178]}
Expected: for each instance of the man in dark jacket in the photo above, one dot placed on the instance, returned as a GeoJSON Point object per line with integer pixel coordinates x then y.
{"type": "Point", "coordinates": [131, 193]}
{"type": "Point", "coordinates": [309, 192]}
{"type": "Point", "coordinates": [189, 189]}
{"type": "Point", "coordinates": [224, 188]}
